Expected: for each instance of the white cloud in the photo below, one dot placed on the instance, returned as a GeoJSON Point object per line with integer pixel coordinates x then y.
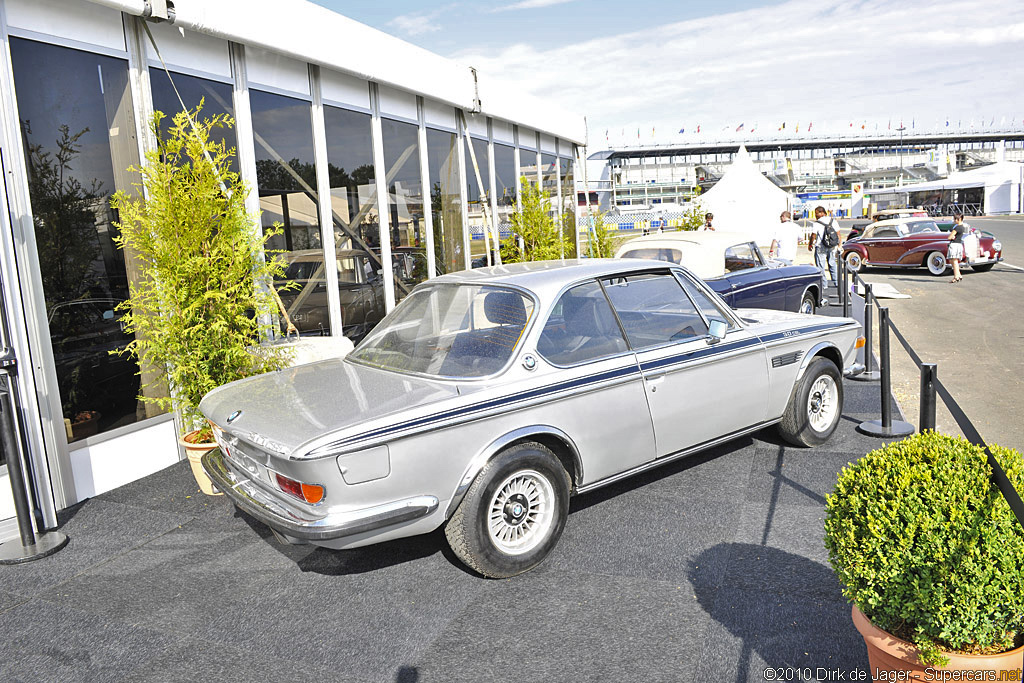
{"type": "Point", "coordinates": [415, 24]}
{"type": "Point", "coordinates": [529, 4]}
{"type": "Point", "coordinates": [833, 62]}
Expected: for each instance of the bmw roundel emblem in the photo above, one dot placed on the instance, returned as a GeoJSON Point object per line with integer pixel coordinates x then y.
{"type": "Point", "coordinates": [234, 416]}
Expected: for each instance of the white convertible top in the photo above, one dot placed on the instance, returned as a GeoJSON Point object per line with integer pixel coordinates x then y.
{"type": "Point", "coordinates": [703, 252]}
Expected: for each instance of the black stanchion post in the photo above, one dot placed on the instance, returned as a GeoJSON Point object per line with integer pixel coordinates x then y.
{"type": "Point", "coordinates": [844, 293]}
{"type": "Point", "coordinates": [31, 547]}
{"type": "Point", "coordinates": [869, 375]}
{"type": "Point", "coordinates": [929, 371]}
{"type": "Point", "coordinates": [886, 426]}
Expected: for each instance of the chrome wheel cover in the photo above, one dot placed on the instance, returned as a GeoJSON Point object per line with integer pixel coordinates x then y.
{"type": "Point", "coordinates": [807, 305]}
{"type": "Point", "coordinates": [853, 261]}
{"type": "Point", "coordinates": [822, 403]}
{"type": "Point", "coordinates": [937, 263]}
{"type": "Point", "coordinates": [521, 512]}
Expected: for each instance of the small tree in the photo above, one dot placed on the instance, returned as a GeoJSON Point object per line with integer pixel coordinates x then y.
{"type": "Point", "coordinates": [602, 243]}
{"type": "Point", "coordinates": [541, 239]}
{"type": "Point", "coordinates": [196, 309]}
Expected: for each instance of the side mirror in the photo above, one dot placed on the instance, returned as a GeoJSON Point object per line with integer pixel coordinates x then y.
{"type": "Point", "coordinates": [716, 332]}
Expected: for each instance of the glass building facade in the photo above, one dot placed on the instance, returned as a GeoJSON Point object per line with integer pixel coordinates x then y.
{"type": "Point", "coordinates": [331, 163]}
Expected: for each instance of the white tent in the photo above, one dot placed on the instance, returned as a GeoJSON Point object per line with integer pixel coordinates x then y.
{"type": "Point", "coordinates": [744, 199]}
{"type": "Point", "coordinates": [1001, 180]}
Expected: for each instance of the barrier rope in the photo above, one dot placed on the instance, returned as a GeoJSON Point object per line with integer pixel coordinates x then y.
{"type": "Point", "coordinates": [999, 478]}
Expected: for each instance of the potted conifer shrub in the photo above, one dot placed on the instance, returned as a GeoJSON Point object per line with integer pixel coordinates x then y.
{"type": "Point", "coordinates": [931, 556]}
{"type": "Point", "coordinates": [205, 275]}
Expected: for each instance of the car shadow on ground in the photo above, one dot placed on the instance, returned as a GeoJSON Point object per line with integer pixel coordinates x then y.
{"type": "Point", "coordinates": [777, 590]}
{"type": "Point", "coordinates": [582, 502]}
{"type": "Point", "coordinates": [329, 562]}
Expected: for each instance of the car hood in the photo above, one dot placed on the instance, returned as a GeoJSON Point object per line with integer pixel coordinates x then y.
{"type": "Point", "coordinates": [286, 410]}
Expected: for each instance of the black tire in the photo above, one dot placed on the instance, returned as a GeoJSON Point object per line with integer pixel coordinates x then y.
{"type": "Point", "coordinates": [808, 304]}
{"type": "Point", "coordinates": [806, 422]}
{"type": "Point", "coordinates": [936, 263]}
{"type": "Point", "coordinates": [478, 543]}
{"type": "Point", "coordinates": [982, 268]}
{"type": "Point", "coordinates": [854, 262]}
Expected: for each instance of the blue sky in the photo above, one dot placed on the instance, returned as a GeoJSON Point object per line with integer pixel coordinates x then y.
{"type": "Point", "coordinates": [644, 70]}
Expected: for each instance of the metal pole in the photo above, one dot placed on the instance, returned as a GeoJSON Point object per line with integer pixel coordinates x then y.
{"type": "Point", "coordinates": [929, 372]}
{"type": "Point", "coordinates": [868, 375]}
{"type": "Point", "coordinates": [886, 426]}
{"type": "Point", "coordinates": [31, 547]}
{"type": "Point", "coordinates": [844, 293]}
{"type": "Point", "coordinates": [883, 360]}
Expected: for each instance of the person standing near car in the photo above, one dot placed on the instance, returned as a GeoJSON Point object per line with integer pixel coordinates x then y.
{"type": "Point", "coordinates": [956, 244]}
{"type": "Point", "coordinates": [825, 243]}
{"type": "Point", "coordinates": [708, 217]}
{"type": "Point", "coordinates": [784, 243]}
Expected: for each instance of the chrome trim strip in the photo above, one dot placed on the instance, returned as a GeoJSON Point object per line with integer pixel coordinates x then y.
{"type": "Point", "coordinates": [289, 521]}
{"type": "Point", "coordinates": [674, 456]}
{"type": "Point", "coordinates": [781, 279]}
{"type": "Point", "coordinates": [496, 446]}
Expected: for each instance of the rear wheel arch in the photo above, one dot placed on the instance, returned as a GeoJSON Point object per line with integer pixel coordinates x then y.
{"type": "Point", "coordinates": [552, 438]}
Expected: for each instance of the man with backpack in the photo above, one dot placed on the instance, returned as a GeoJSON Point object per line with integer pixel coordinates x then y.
{"type": "Point", "coordinates": [825, 243]}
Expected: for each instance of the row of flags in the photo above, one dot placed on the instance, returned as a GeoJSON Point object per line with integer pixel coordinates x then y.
{"type": "Point", "coordinates": [810, 126]}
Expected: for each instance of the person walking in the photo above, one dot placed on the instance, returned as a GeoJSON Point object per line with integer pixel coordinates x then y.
{"type": "Point", "coordinates": [787, 235]}
{"type": "Point", "coordinates": [825, 243]}
{"type": "Point", "coordinates": [955, 253]}
{"type": "Point", "coordinates": [708, 217]}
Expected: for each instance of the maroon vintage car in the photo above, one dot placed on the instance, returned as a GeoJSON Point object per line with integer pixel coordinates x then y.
{"type": "Point", "coordinates": [915, 242]}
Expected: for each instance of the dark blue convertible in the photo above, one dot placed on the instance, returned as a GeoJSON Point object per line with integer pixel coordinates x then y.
{"type": "Point", "coordinates": [733, 265]}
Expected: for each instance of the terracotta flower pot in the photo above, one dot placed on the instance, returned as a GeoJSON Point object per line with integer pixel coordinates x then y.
{"type": "Point", "coordinates": [889, 654]}
{"type": "Point", "coordinates": [195, 452]}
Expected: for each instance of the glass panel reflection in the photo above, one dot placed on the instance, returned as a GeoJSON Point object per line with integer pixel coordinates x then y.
{"type": "Point", "coordinates": [216, 98]}
{"type": "Point", "coordinates": [565, 171]}
{"type": "Point", "coordinates": [286, 180]}
{"type": "Point", "coordinates": [549, 178]}
{"type": "Point", "coordinates": [445, 201]}
{"type": "Point", "coordinates": [78, 126]}
{"type": "Point", "coordinates": [528, 165]}
{"type": "Point", "coordinates": [356, 220]}
{"type": "Point", "coordinates": [505, 193]}
{"type": "Point", "coordinates": [405, 204]}
{"type": "Point", "coordinates": [480, 233]}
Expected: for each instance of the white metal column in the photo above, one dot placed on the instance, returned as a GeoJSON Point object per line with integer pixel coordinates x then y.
{"type": "Point", "coordinates": [323, 191]}
{"type": "Point", "coordinates": [387, 271]}
{"type": "Point", "coordinates": [428, 209]}
{"type": "Point", "coordinates": [461, 140]}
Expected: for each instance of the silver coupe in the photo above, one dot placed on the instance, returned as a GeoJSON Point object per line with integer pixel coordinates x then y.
{"type": "Point", "coordinates": [488, 397]}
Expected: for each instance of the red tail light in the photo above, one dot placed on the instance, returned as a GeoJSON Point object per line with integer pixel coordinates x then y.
{"type": "Point", "coordinates": [310, 493]}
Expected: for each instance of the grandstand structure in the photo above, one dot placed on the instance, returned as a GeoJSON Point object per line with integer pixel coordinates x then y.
{"type": "Point", "coordinates": [839, 171]}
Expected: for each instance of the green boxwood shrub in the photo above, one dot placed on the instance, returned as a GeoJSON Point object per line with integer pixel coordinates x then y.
{"type": "Point", "coordinates": [927, 548]}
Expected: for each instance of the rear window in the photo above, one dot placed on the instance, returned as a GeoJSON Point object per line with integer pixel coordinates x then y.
{"type": "Point", "coordinates": [448, 330]}
{"type": "Point", "coordinates": [656, 253]}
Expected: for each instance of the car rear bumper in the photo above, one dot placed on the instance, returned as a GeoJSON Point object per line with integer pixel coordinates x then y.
{"type": "Point", "coordinates": [297, 525]}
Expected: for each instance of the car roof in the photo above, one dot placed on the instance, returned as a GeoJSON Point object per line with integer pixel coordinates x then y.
{"type": "Point", "coordinates": [547, 278]}
{"type": "Point", "coordinates": [702, 252]}
{"type": "Point", "coordinates": [900, 221]}
{"type": "Point", "coordinates": [889, 212]}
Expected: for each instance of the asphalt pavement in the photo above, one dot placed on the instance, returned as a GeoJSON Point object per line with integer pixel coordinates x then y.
{"type": "Point", "coordinates": [973, 330]}
{"type": "Point", "coordinates": [708, 569]}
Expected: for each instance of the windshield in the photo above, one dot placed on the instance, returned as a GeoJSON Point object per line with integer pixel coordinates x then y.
{"type": "Point", "coordinates": [449, 330]}
{"type": "Point", "coordinates": [923, 226]}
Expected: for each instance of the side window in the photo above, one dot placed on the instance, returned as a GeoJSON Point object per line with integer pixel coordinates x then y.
{"type": "Point", "coordinates": [654, 310]}
{"type": "Point", "coordinates": [886, 232]}
{"type": "Point", "coordinates": [741, 257]}
{"type": "Point", "coordinates": [707, 306]}
{"type": "Point", "coordinates": [581, 327]}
